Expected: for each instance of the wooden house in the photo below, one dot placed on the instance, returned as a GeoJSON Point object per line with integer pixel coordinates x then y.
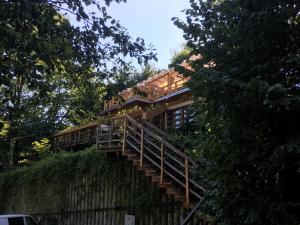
{"type": "Point", "coordinates": [162, 100]}
{"type": "Point", "coordinates": [136, 123]}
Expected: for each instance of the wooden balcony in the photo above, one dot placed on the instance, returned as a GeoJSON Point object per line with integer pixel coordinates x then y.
{"type": "Point", "coordinates": [151, 89]}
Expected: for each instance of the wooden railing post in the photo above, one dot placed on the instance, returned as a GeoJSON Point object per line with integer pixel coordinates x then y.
{"type": "Point", "coordinates": [187, 183]}
{"type": "Point", "coordinates": [169, 83]}
{"type": "Point", "coordinates": [162, 162]}
{"type": "Point", "coordinates": [142, 147]}
{"type": "Point", "coordinates": [124, 134]}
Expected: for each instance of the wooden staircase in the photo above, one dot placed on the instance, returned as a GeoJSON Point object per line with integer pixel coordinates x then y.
{"type": "Point", "coordinates": [168, 167]}
{"type": "Point", "coordinates": [165, 164]}
{"type": "Point", "coordinates": [154, 174]}
{"type": "Point", "coordinates": [150, 151]}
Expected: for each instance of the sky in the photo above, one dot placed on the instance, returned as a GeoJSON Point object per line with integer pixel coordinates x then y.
{"type": "Point", "coordinates": [151, 20]}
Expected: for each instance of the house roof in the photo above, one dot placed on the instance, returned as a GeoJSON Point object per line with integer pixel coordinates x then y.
{"type": "Point", "coordinates": [143, 101]}
{"type": "Point", "coordinates": [173, 94]}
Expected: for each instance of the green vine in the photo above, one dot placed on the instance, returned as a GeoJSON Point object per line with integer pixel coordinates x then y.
{"type": "Point", "coordinates": [52, 174]}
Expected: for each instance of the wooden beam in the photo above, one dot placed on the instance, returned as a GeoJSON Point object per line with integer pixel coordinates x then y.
{"type": "Point", "coordinates": [169, 83]}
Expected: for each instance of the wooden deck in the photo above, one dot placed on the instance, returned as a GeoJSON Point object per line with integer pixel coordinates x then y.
{"type": "Point", "coordinates": [151, 89]}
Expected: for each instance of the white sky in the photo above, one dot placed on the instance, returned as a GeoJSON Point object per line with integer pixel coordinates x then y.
{"type": "Point", "coordinates": [151, 20]}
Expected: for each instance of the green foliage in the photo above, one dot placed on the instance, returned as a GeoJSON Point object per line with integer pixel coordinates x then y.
{"type": "Point", "coordinates": [247, 107]}
{"type": "Point", "coordinates": [57, 170]}
{"type": "Point", "coordinates": [41, 146]}
{"type": "Point", "coordinates": [127, 77]}
{"type": "Point", "coordinates": [53, 174]}
{"type": "Point", "coordinates": [52, 71]}
{"type": "Point", "coordinates": [4, 127]}
{"type": "Point", "coordinates": [47, 182]}
{"type": "Point", "coordinates": [4, 131]}
{"type": "Point", "coordinates": [180, 56]}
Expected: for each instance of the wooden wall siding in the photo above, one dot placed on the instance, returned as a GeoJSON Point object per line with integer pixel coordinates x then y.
{"type": "Point", "coordinates": [100, 199]}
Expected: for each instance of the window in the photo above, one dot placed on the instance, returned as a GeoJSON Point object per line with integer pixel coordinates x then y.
{"type": "Point", "coordinates": [30, 221]}
{"type": "Point", "coordinates": [16, 221]}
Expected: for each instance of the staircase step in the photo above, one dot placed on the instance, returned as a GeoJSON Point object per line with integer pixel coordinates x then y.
{"type": "Point", "coordinates": [179, 198]}
{"type": "Point", "coordinates": [152, 175]}
{"type": "Point", "coordinates": [155, 179]}
{"type": "Point", "coordinates": [146, 166]}
{"type": "Point", "coordinates": [130, 154]}
{"type": "Point", "coordinates": [150, 170]}
{"type": "Point", "coordinates": [132, 157]}
{"type": "Point", "coordinates": [165, 185]}
{"type": "Point", "coordinates": [136, 162]}
{"type": "Point", "coordinates": [126, 152]}
{"type": "Point", "coordinates": [172, 192]}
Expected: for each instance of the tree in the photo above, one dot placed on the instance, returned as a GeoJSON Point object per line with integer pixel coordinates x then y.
{"type": "Point", "coordinates": [248, 104]}
{"type": "Point", "coordinates": [179, 56]}
{"type": "Point", "coordinates": [126, 77]}
{"type": "Point", "coordinates": [46, 61]}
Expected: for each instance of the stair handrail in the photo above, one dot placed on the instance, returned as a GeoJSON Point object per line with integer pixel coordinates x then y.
{"type": "Point", "coordinates": [163, 133]}
{"type": "Point", "coordinates": [192, 213]}
{"type": "Point", "coordinates": [187, 160]}
{"type": "Point", "coordinates": [182, 154]}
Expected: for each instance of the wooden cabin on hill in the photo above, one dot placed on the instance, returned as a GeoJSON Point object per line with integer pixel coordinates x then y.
{"type": "Point", "coordinates": [135, 125]}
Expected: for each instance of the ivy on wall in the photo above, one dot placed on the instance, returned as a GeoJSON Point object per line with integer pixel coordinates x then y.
{"type": "Point", "coordinates": [52, 174]}
{"type": "Point", "coordinates": [65, 181]}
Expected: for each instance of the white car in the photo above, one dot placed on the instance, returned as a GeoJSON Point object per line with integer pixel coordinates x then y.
{"type": "Point", "coordinates": [17, 219]}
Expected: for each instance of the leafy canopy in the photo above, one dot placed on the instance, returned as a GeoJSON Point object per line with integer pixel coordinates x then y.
{"type": "Point", "coordinates": [52, 71]}
{"type": "Point", "coordinates": [248, 107]}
